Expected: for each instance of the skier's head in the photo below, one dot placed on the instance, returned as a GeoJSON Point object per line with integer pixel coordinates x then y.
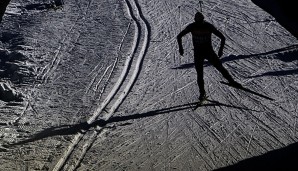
{"type": "Point", "coordinates": [199, 17]}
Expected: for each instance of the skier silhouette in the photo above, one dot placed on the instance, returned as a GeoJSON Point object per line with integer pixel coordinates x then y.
{"type": "Point", "coordinates": [201, 36]}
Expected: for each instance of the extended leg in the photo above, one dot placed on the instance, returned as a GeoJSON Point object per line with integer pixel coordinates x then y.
{"type": "Point", "coordinates": [214, 60]}
{"type": "Point", "coordinates": [200, 76]}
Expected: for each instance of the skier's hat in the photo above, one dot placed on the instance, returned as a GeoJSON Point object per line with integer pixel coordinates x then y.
{"type": "Point", "coordinates": [199, 17]}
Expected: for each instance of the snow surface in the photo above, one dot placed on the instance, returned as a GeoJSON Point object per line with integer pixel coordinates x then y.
{"type": "Point", "coordinates": [104, 87]}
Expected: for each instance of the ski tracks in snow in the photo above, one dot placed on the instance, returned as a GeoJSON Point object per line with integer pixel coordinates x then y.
{"type": "Point", "coordinates": [48, 70]}
{"type": "Point", "coordinates": [82, 141]}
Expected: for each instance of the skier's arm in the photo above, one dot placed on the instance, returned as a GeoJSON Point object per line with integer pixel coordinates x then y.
{"type": "Point", "coordinates": [179, 39]}
{"type": "Point", "coordinates": [222, 40]}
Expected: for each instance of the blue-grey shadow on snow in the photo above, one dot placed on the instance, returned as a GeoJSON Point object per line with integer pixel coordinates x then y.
{"type": "Point", "coordinates": [43, 6]}
{"type": "Point", "coordinates": [12, 39]}
{"type": "Point", "coordinates": [278, 73]}
{"type": "Point", "coordinates": [286, 54]}
{"type": "Point", "coordinates": [283, 159]}
{"type": "Point", "coordinates": [283, 11]}
{"type": "Point", "coordinates": [84, 126]}
{"type": "Point", "coordinates": [287, 57]}
{"type": "Point", "coordinates": [185, 66]}
{"type": "Point", "coordinates": [190, 65]}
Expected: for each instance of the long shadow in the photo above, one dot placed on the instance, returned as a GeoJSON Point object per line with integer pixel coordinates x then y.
{"type": "Point", "coordinates": [81, 127]}
{"type": "Point", "coordinates": [289, 56]}
{"type": "Point", "coordinates": [249, 91]}
{"type": "Point", "coordinates": [286, 54]}
{"type": "Point", "coordinates": [283, 11]}
{"type": "Point", "coordinates": [54, 4]}
{"type": "Point", "coordinates": [12, 39]}
{"type": "Point", "coordinates": [277, 73]}
{"type": "Point", "coordinates": [185, 66]}
{"type": "Point", "coordinates": [38, 6]}
{"type": "Point", "coordinates": [284, 159]}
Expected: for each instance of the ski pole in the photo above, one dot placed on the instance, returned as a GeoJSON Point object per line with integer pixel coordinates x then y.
{"type": "Point", "coordinates": [201, 5]}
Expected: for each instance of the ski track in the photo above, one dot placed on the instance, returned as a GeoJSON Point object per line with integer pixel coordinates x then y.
{"type": "Point", "coordinates": [207, 129]}
{"type": "Point", "coordinates": [139, 24]}
{"type": "Point", "coordinates": [52, 66]}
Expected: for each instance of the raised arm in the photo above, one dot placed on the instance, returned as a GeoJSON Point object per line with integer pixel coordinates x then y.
{"type": "Point", "coordinates": [222, 40]}
{"type": "Point", "coordinates": [179, 38]}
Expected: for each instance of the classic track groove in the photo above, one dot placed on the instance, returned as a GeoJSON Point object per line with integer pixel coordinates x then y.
{"type": "Point", "coordinates": [140, 24]}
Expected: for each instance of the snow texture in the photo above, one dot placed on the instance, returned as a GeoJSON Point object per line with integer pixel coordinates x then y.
{"type": "Point", "coordinates": [100, 85]}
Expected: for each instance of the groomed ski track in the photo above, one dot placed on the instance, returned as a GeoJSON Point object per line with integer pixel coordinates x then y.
{"type": "Point", "coordinates": [142, 28]}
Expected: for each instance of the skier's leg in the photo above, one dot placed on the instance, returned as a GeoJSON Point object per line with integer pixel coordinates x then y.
{"type": "Point", "coordinates": [200, 75]}
{"type": "Point", "coordinates": [214, 60]}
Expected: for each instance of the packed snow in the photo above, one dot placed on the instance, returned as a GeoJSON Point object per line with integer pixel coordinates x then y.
{"type": "Point", "coordinates": [100, 85]}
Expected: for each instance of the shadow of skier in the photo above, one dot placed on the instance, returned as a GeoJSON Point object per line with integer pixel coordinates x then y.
{"type": "Point", "coordinates": [84, 126]}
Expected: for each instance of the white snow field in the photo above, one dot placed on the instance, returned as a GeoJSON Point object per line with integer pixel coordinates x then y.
{"type": "Point", "coordinates": [103, 87]}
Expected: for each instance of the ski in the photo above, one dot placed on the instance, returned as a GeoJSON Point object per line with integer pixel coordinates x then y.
{"type": "Point", "coordinates": [248, 90]}
{"type": "Point", "coordinates": [201, 103]}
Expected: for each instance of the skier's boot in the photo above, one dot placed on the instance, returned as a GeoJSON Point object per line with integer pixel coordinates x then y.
{"type": "Point", "coordinates": [202, 97]}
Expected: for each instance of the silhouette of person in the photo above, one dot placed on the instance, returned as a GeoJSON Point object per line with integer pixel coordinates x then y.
{"type": "Point", "coordinates": [201, 31]}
